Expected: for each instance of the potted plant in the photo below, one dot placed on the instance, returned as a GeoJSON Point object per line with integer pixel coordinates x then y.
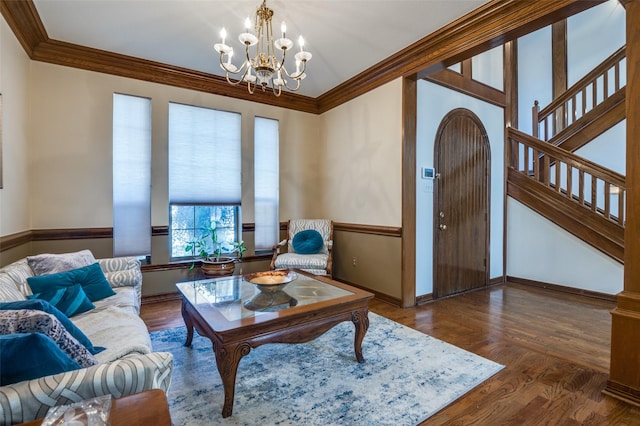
{"type": "Point", "coordinates": [213, 263]}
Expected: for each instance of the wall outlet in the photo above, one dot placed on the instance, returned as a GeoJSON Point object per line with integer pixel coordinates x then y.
{"type": "Point", "coordinates": [354, 261]}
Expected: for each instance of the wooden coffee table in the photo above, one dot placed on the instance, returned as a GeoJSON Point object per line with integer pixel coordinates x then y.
{"type": "Point", "coordinates": [310, 306]}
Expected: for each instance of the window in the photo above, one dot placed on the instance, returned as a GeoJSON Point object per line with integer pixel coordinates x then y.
{"type": "Point", "coordinates": [131, 175]}
{"type": "Point", "coordinates": [266, 183]}
{"type": "Point", "coordinates": [204, 176]}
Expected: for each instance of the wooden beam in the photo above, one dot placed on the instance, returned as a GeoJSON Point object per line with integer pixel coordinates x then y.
{"type": "Point", "coordinates": [409, 150]}
{"type": "Point", "coordinates": [465, 84]}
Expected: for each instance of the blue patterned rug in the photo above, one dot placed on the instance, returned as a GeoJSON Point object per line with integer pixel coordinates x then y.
{"type": "Point", "coordinates": [407, 377]}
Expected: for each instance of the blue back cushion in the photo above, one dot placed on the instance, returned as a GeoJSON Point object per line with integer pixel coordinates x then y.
{"type": "Point", "coordinates": [70, 300]}
{"type": "Point", "coordinates": [26, 356]}
{"type": "Point", "coordinates": [308, 241]}
{"type": "Point", "coordinates": [91, 278]}
{"type": "Point", "coordinates": [44, 306]}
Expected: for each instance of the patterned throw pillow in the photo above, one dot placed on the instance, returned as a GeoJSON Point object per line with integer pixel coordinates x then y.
{"type": "Point", "coordinates": [31, 321]}
{"type": "Point", "coordinates": [43, 305]}
{"type": "Point", "coordinates": [46, 263]}
{"type": "Point", "coordinates": [70, 300]}
{"type": "Point", "coordinates": [91, 278]}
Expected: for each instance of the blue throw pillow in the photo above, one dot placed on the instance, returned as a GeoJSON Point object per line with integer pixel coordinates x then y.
{"type": "Point", "coordinates": [70, 300]}
{"type": "Point", "coordinates": [26, 356]}
{"type": "Point", "coordinates": [44, 306]}
{"type": "Point", "coordinates": [308, 241]}
{"type": "Point", "coordinates": [91, 278]}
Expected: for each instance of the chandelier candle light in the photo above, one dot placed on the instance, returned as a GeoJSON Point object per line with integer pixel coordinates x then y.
{"type": "Point", "coordinates": [269, 71]}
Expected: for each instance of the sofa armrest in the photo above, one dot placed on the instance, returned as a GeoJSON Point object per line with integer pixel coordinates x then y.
{"type": "Point", "coordinates": [29, 400]}
{"type": "Point", "coordinates": [123, 272]}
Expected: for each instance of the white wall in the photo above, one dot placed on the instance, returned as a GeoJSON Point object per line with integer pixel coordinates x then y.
{"type": "Point", "coordinates": [541, 251]}
{"type": "Point", "coordinates": [14, 86]}
{"type": "Point", "coordinates": [361, 158]}
{"type": "Point", "coordinates": [434, 102]}
{"type": "Point", "coordinates": [71, 162]}
{"type": "Point", "coordinates": [534, 75]}
{"type": "Point", "coordinates": [592, 36]}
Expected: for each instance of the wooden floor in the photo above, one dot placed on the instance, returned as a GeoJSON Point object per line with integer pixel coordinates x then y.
{"type": "Point", "coordinates": [555, 348]}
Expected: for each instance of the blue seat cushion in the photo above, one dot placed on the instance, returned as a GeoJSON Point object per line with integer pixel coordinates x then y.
{"type": "Point", "coordinates": [91, 278]}
{"type": "Point", "coordinates": [308, 241]}
{"type": "Point", "coordinates": [26, 356]}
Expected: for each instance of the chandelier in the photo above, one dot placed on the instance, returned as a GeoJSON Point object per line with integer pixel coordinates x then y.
{"type": "Point", "coordinates": [263, 69]}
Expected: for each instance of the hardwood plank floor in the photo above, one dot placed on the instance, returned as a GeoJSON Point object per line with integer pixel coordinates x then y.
{"type": "Point", "coordinates": [555, 348]}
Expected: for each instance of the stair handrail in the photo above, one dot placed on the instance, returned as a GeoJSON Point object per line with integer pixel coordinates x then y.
{"type": "Point", "coordinates": [558, 109]}
{"type": "Point", "coordinates": [554, 156]}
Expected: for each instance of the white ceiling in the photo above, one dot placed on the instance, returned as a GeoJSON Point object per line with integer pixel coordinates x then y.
{"type": "Point", "coordinates": [345, 36]}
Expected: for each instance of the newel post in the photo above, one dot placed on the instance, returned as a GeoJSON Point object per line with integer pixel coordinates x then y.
{"type": "Point", "coordinates": [624, 376]}
{"type": "Point", "coordinates": [534, 116]}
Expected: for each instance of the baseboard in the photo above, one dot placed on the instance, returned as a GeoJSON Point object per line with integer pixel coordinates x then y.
{"type": "Point", "coordinates": [378, 295]}
{"type": "Point", "coordinates": [159, 298]}
{"type": "Point", "coordinates": [497, 280]}
{"type": "Point", "coordinates": [561, 288]}
{"type": "Point", "coordinates": [424, 298]}
{"type": "Point", "coordinates": [622, 392]}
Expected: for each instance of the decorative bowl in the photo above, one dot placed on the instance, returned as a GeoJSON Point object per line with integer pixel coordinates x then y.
{"type": "Point", "coordinates": [271, 294]}
{"type": "Point", "coordinates": [271, 281]}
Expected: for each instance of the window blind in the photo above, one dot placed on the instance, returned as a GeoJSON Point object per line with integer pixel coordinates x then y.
{"type": "Point", "coordinates": [267, 188]}
{"type": "Point", "coordinates": [204, 156]}
{"type": "Point", "coordinates": [131, 175]}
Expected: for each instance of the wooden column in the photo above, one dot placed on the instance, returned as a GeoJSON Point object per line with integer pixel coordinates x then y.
{"type": "Point", "coordinates": [624, 377]}
{"type": "Point", "coordinates": [409, 149]}
{"type": "Point", "coordinates": [559, 60]}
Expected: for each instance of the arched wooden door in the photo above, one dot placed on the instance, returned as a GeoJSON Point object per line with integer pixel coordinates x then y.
{"type": "Point", "coordinates": [461, 204]}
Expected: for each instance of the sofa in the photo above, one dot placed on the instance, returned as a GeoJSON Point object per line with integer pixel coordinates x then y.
{"type": "Point", "coordinates": [126, 363]}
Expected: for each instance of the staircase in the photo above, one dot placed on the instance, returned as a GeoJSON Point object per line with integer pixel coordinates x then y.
{"type": "Point", "coordinates": [543, 173]}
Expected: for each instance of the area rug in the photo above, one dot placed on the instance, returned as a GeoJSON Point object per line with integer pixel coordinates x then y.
{"type": "Point", "coordinates": [407, 377]}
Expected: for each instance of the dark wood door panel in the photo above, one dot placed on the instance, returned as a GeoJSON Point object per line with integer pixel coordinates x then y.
{"type": "Point", "coordinates": [462, 159]}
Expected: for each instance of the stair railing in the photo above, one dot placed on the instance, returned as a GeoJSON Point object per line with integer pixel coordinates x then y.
{"type": "Point", "coordinates": [592, 186]}
{"type": "Point", "coordinates": [591, 90]}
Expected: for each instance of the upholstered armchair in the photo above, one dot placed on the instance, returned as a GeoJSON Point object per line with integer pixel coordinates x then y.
{"type": "Point", "coordinates": [308, 244]}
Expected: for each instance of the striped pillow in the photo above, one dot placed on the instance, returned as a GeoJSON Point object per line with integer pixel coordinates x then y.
{"type": "Point", "coordinates": [70, 300]}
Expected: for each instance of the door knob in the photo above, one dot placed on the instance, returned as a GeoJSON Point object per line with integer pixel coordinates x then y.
{"type": "Point", "coordinates": [443, 227]}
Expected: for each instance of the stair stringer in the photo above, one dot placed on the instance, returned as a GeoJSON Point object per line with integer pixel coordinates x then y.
{"type": "Point", "coordinates": [590, 227]}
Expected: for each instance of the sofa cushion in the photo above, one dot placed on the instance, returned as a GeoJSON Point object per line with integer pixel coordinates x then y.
{"type": "Point", "coordinates": [91, 278]}
{"type": "Point", "coordinates": [17, 274]}
{"type": "Point", "coordinates": [44, 306]}
{"type": "Point", "coordinates": [295, 260]}
{"type": "Point", "coordinates": [308, 241]}
{"type": "Point", "coordinates": [9, 292]}
{"type": "Point", "coordinates": [118, 329]}
{"type": "Point", "coordinates": [70, 300]}
{"type": "Point", "coordinates": [33, 321]}
{"type": "Point", "coordinates": [43, 264]}
{"type": "Point", "coordinates": [26, 356]}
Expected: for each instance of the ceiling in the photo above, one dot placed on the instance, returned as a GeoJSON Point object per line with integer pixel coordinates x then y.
{"type": "Point", "coordinates": [345, 36]}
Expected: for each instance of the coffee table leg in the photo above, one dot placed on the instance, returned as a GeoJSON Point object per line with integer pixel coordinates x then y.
{"type": "Point", "coordinates": [227, 360]}
{"type": "Point", "coordinates": [188, 323]}
{"type": "Point", "coordinates": [361, 321]}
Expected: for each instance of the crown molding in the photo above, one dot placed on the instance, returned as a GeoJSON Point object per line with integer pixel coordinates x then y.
{"type": "Point", "coordinates": [490, 25]}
